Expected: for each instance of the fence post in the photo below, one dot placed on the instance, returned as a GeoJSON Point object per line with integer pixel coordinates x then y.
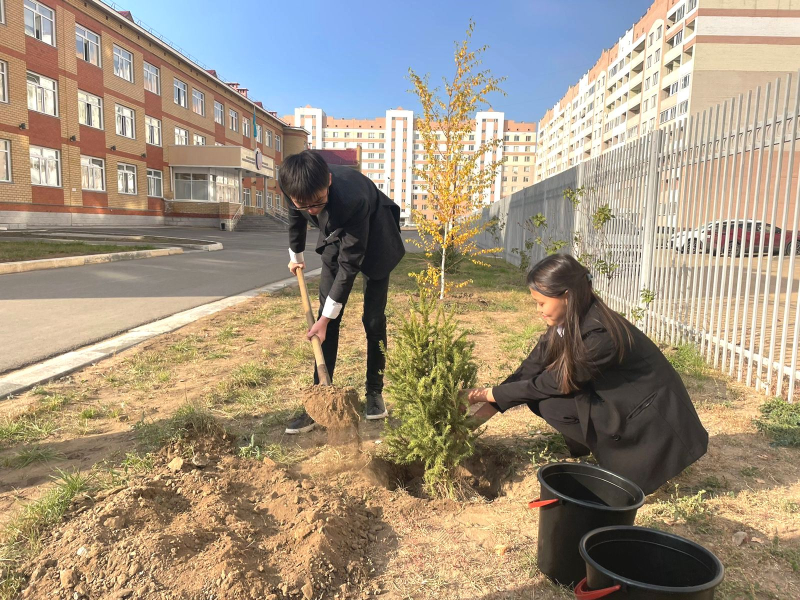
{"type": "Point", "coordinates": [650, 216]}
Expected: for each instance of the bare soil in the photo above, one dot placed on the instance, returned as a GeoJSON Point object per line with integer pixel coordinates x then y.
{"type": "Point", "coordinates": [232, 527]}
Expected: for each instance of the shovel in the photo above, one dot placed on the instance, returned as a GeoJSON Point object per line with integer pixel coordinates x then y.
{"type": "Point", "coordinates": [322, 370]}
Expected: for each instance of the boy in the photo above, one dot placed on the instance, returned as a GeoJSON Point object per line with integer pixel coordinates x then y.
{"type": "Point", "coordinates": [359, 231]}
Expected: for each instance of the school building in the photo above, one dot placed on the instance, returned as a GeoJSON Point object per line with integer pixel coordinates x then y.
{"type": "Point", "coordinates": [104, 123]}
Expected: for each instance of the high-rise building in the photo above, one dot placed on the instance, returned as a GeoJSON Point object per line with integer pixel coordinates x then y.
{"type": "Point", "coordinates": [391, 148]}
{"type": "Point", "coordinates": [681, 57]}
{"type": "Point", "coordinates": [103, 122]}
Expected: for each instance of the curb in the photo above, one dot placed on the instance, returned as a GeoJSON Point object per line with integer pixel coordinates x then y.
{"type": "Point", "coordinates": [46, 371]}
{"type": "Point", "coordinates": [78, 261]}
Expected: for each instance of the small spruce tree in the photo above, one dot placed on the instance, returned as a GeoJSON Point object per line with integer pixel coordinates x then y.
{"type": "Point", "coordinates": [429, 363]}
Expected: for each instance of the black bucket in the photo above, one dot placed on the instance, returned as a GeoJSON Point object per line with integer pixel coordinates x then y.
{"type": "Point", "coordinates": [575, 499]}
{"type": "Point", "coordinates": [636, 563]}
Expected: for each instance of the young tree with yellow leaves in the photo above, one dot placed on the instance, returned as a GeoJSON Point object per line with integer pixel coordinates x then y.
{"type": "Point", "coordinates": [457, 182]}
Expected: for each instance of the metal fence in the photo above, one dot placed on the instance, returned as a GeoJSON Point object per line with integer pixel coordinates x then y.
{"type": "Point", "coordinates": [703, 245]}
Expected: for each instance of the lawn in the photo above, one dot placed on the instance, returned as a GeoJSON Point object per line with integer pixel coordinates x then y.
{"type": "Point", "coordinates": [13, 251]}
{"type": "Point", "coordinates": [235, 378]}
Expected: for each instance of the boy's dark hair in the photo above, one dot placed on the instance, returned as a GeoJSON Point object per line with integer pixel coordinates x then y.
{"type": "Point", "coordinates": [303, 175]}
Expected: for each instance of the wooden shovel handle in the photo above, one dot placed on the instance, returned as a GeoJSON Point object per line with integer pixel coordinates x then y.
{"type": "Point", "coordinates": [322, 370]}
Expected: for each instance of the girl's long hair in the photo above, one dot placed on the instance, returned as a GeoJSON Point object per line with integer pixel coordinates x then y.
{"type": "Point", "coordinates": [560, 274]}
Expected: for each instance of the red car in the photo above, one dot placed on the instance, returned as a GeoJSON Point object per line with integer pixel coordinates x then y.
{"type": "Point", "coordinates": [760, 235]}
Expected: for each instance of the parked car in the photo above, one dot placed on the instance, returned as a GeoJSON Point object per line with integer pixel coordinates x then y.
{"type": "Point", "coordinates": [735, 237]}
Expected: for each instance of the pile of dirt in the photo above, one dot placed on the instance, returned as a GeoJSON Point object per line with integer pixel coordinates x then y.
{"type": "Point", "coordinates": [335, 409]}
{"type": "Point", "coordinates": [208, 528]}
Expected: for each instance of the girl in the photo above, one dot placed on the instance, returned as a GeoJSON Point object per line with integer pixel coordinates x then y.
{"type": "Point", "coordinates": [601, 382]}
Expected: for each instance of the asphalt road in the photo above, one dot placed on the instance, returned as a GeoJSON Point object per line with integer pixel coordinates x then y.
{"type": "Point", "coordinates": [46, 313]}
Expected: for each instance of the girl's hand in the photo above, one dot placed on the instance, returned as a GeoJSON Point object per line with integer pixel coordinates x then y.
{"type": "Point", "coordinates": [477, 395]}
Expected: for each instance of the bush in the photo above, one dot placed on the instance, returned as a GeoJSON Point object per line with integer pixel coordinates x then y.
{"type": "Point", "coordinates": [430, 362]}
{"type": "Point", "coordinates": [781, 422]}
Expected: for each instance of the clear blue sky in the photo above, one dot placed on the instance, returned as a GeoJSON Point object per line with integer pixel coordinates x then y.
{"type": "Point", "coordinates": [351, 58]}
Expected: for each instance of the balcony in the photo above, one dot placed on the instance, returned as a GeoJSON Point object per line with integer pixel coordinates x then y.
{"type": "Point", "coordinates": [673, 54]}
{"type": "Point", "coordinates": [670, 78]}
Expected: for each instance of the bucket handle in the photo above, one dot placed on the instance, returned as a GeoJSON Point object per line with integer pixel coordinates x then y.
{"type": "Point", "coordinates": [581, 593]}
{"type": "Point", "coordinates": [541, 503]}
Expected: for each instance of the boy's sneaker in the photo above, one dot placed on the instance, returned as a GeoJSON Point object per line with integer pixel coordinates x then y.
{"type": "Point", "coordinates": [301, 424]}
{"type": "Point", "coordinates": [376, 409]}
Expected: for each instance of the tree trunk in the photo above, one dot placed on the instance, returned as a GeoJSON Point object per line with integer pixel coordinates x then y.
{"type": "Point", "coordinates": [444, 258]}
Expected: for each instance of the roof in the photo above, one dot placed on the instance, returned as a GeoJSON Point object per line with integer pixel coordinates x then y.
{"type": "Point", "coordinates": [347, 158]}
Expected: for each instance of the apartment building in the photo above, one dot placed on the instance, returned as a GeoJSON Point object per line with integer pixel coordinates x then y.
{"type": "Point", "coordinates": [391, 149]}
{"type": "Point", "coordinates": [103, 122]}
{"type": "Point", "coordinates": [680, 58]}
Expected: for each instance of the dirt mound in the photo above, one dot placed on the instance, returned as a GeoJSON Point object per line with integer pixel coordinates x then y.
{"type": "Point", "coordinates": [204, 528]}
{"type": "Point", "coordinates": [335, 409]}
{"type": "Point", "coordinates": [332, 407]}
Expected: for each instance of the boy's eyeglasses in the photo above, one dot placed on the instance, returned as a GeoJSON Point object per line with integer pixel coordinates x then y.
{"type": "Point", "coordinates": [310, 206]}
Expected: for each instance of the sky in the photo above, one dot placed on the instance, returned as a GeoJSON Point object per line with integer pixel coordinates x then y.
{"type": "Point", "coordinates": [351, 58]}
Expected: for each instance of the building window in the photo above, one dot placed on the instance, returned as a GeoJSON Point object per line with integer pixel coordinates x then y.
{"type": "Point", "coordinates": [234, 120]}
{"type": "Point", "coordinates": [659, 31]}
{"type": "Point", "coordinates": [2, 12]}
{"type": "Point", "coordinates": [40, 22]}
{"type": "Point", "coordinates": [667, 115]}
{"type": "Point", "coordinates": [126, 179]}
{"type": "Point", "coordinates": [277, 143]}
{"type": "Point", "coordinates": [219, 115]}
{"type": "Point", "coordinates": [181, 137]}
{"type": "Point", "coordinates": [199, 102]}
{"type": "Point", "coordinates": [93, 174]}
{"type": "Point", "coordinates": [259, 199]}
{"type": "Point", "coordinates": [126, 121]}
{"type": "Point", "coordinates": [259, 137]}
{"type": "Point", "coordinates": [246, 196]}
{"type": "Point", "coordinates": [269, 138]}
{"type": "Point", "coordinates": [3, 80]}
{"type": "Point", "coordinates": [152, 129]}
{"type": "Point", "coordinates": [658, 55]}
{"type": "Point", "coordinates": [246, 127]}
{"type": "Point", "coordinates": [90, 110]}
{"type": "Point", "coordinates": [269, 199]}
{"type": "Point", "coordinates": [649, 61]}
{"type": "Point", "coordinates": [371, 135]}
{"type": "Point", "coordinates": [123, 64]}
{"type": "Point", "coordinates": [87, 45]}
{"type": "Point", "coordinates": [199, 140]}
{"type": "Point", "coordinates": [45, 166]}
{"type": "Point", "coordinates": [191, 186]}
{"type": "Point", "coordinates": [683, 107]}
{"type": "Point", "coordinates": [152, 79]}
{"type": "Point", "coordinates": [155, 183]}
{"type": "Point", "coordinates": [5, 161]}
{"type": "Point", "coordinates": [42, 94]}
{"type": "Point", "coordinates": [656, 75]}
{"type": "Point", "coordinates": [180, 93]}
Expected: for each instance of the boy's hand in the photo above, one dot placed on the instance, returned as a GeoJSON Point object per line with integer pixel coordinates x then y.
{"type": "Point", "coordinates": [293, 266]}
{"type": "Point", "coordinates": [319, 329]}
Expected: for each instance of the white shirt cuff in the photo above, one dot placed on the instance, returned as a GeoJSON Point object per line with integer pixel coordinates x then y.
{"type": "Point", "coordinates": [331, 308]}
{"type": "Point", "coordinates": [296, 258]}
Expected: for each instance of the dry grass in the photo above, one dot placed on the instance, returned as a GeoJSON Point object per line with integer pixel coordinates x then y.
{"type": "Point", "coordinates": [244, 368]}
